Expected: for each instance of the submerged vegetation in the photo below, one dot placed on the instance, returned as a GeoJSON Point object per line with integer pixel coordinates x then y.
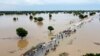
{"type": "Point", "coordinates": [50, 28]}
{"type": "Point", "coordinates": [21, 32]}
{"type": "Point", "coordinates": [31, 17]}
{"type": "Point", "coordinates": [92, 13]}
{"type": "Point", "coordinates": [92, 54]}
{"type": "Point", "coordinates": [83, 16]}
{"type": "Point", "coordinates": [39, 19]}
{"type": "Point", "coordinates": [15, 18]}
{"type": "Point", "coordinates": [64, 54]}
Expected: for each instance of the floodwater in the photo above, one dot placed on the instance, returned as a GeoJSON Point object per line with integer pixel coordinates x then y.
{"type": "Point", "coordinates": [12, 45]}
{"type": "Point", "coordinates": [85, 40]}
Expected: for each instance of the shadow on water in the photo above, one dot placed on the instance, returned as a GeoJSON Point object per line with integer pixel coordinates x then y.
{"type": "Point", "coordinates": [96, 43]}
{"type": "Point", "coordinates": [22, 43]}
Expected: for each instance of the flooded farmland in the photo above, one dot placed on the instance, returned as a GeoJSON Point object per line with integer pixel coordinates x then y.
{"type": "Point", "coordinates": [85, 40]}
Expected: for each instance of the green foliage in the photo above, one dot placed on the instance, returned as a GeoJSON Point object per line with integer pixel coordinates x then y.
{"type": "Point", "coordinates": [39, 19]}
{"type": "Point", "coordinates": [92, 13]}
{"type": "Point", "coordinates": [83, 16]}
{"type": "Point", "coordinates": [15, 19]}
{"type": "Point", "coordinates": [50, 28]}
{"type": "Point", "coordinates": [35, 18]}
{"type": "Point", "coordinates": [92, 54]}
{"type": "Point", "coordinates": [63, 54]}
{"type": "Point", "coordinates": [21, 32]}
{"type": "Point", "coordinates": [31, 17]}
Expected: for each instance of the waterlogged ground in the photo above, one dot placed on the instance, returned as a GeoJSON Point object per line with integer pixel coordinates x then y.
{"type": "Point", "coordinates": [85, 40]}
{"type": "Point", "coordinates": [10, 43]}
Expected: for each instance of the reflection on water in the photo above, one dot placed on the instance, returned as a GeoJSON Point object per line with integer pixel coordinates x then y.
{"type": "Point", "coordinates": [96, 43]}
{"type": "Point", "coordinates": [22, 43]}
{"type": "Point", "coordinates": [39, 23]}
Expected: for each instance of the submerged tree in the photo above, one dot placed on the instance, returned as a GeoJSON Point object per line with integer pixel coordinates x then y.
{"type": "Point", "coordinates": [92, 13]}
{"type": "Point", "coordinates": [35, 18]}
{"type": "Point", "coordinates": [39, 19]}
{"type": "Point", "coordinates": [64, 54]}
{"type": "Point", "coordinates": [50, 28]}
{"type": "Point", "coordinates": [15, 19]}
{"type": "Point", "coordinates": [31, 17]}
{"type": "Point", "coordinates": [50, 16]}
{"type": "Point", "coordinates": [83, 16]}
{"type": "Point", "coordinates": [21, 32]}
{"type": "Point", "coordinates": [92, 54]}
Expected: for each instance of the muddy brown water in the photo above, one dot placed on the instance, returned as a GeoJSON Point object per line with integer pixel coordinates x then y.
{"type": "Point", "coordinates": [79, 43]}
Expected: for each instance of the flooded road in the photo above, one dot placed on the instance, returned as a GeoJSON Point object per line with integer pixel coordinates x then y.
{"type": "Point", "coordinates": [85, 40]}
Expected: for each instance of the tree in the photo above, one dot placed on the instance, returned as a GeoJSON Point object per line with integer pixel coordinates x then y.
{"type": "Point", "coordinates": [92, 54]}
{"type": "Point", "coordinates": [50, 16]}
{"type": "Point", "coordinates": [40, 19]}
{"type": "Point", "coordinates": [81, 16]}
{"type": "Point", "coordinates": [31, 17]}
{"type": "Point", "coordinates": [15, 19]}
{"type": "Point", "coordinates": [92, 13]}
{"type": "Point", "coordinates": [21, 32]}
{"type": "Point", "coordinates": [35, 18]}
{"type": "Point", "coordinates": [64, 54]}
{"type": "Point", "coordinates": [50, 28]}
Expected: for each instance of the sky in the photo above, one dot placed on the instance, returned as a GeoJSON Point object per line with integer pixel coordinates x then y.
{"type": "Point", "coordinates": [23, 5]}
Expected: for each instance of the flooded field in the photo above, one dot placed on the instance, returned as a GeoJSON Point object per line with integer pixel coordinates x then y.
{"type": "Point", "coordinates": [85, 40]}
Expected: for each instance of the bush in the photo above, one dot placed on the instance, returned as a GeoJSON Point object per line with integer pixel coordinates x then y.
{"type": "Point", "coordinates": [35, 18]}
{"type": "Point", "coordinates": [21, 32]}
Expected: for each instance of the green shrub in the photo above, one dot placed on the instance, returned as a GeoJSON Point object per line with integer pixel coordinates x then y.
{"type": "Point", "coordinates": [35, 18]}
